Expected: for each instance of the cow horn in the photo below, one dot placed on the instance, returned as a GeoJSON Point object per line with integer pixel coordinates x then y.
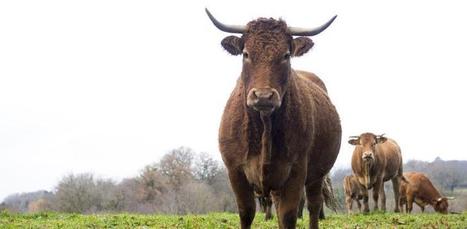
{"type": "Point", "coordinates": [224, 27]}
{"type": "Point", "coordinates": [450, 198]}
{"type": "Point", "coordinates": [354, 136]}
{"type": "Point", "coordinates": [296, 31]}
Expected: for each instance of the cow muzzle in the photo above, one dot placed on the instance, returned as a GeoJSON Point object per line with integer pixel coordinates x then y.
{"type": "Point", "coordinates": [368, 156]}
{"type": "Point", "coordinates": [263, 99]}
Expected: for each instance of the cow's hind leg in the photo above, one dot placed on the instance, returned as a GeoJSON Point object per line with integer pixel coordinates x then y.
{"type": "Point", "coordinates": [315, 200]}
{"type": "Point", "coordinates": [301, 206]}
{"type": "Point", "coordinates": [321, 212]}
{"type": "Point", "coordinates": [268, 210]}
{"type": "Point", "coordinates": [382, 195]}
{"type": "Point", "coordinates": [409, 204]}
{"type": "Point", "coordinates": [395, 188]}
{"type": "Point", "coordinates": [245, 198]}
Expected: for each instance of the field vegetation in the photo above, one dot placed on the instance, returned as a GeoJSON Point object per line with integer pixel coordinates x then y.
{"type": "Point", "coordinates": [224, 220]}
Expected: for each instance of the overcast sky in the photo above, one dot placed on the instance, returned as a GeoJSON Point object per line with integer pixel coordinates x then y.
{"type": "Point", "coordinates": [110, 86]}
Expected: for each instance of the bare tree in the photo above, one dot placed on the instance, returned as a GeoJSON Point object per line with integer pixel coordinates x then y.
{"type": "Point", "coordinates": [83, 193]}
{"type": "Point", "coordinates": [177, 167]}
{"type": "Point", "coordinates": [206, 169]}
{"type": "Point", "coordinates": [74, 193]}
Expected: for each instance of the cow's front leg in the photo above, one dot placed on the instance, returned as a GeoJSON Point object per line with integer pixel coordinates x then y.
{"type": "Point", "coordinates": [376, 191]}
{"type": "Point", "coordinates": [287, 202]}
{"type": "Point", "coordinates": [366, 207]}
{"type": "Point", "coordinates": [245, 197]}
{"type": "Point", "coordinates": [315, 200]}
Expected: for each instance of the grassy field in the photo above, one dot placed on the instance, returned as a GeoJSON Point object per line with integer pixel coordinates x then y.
{"type": "Point", "coordinates": [224, 220]}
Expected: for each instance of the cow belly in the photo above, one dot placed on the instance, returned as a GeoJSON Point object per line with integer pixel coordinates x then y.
{"type": "Point", "coordinates": [274, 176]}
{"type": "Point", "coordinates": [420, 202]}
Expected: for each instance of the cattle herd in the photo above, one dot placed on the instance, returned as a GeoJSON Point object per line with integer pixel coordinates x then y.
{"type": "Point", "coordinates": [280, 135]}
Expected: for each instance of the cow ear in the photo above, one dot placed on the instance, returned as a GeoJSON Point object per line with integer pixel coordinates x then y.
{"type": "Point", "coordinates": [301, 45]}
{"type": "Point", "coordinates": [381, 139]}
{"type": "Point", "coordinates": [233, 45]}
{"type": "Point", "coordinates": [354, 142]}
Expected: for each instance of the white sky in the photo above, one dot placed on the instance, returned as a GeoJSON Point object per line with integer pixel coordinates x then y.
{"type": "Point", "coordinates": [110, 86]}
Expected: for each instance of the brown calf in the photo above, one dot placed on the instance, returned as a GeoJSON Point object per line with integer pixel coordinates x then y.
{"type": "Point", "coordinates": [420, 190]}
{"type": "Point", "coordinates": [353, 191]}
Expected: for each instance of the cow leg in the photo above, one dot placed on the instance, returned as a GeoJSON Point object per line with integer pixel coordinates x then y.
{"type": "Point", "coordinates": [245, 198]}
{"type": "Point", "coordinates": [401, 204]}
{"type": "Point", "coordinates": [287, 203]}
{"type": "Point", "coordinates": [359, 205]}
{"type": "Point", "coordinates": [382, 195]}
{"type": "Point", "coordinates": [321, 212]}
{"type": "Point", "coordinates": [366, 208]}
{"type": "Point", "coordinates": [376, 191]}
{"type": "Point", "coordinates": [267, 209]}
{"type": "Point", "coordinates": [301, 206]}
{"type": "Point", "coordinates": [315, 199]}
{"type": "Point", "coordinates": [349, 202]}
{"type": "Point", "coordinates": [397, 196]}
{"type": "Point", "coordinates": [409, 204]}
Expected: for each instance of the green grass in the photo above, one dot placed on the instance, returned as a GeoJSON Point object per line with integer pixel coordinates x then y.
{"type": "Point", "coordinates": [224, 220]}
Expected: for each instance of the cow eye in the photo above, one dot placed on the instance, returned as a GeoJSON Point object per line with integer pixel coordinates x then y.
{"type": "Point", "coordinates": [245, 55]}
{"type": "Point", "coordinates": [287, 56]}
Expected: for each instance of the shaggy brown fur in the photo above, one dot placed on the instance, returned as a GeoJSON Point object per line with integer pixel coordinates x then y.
{"type": "Point", "coordinates": [280, 131]}
{"type": "Point", "coordinates": [352, 191]}
{"type": "Point", "coordinates": [375, 160]}
{"type": "Point", "coordinates": [420, 190]}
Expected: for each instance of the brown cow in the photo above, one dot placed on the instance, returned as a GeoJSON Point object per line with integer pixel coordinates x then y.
{"type": "Point", "coordinates": [353, 191]}
{"type": "Point", "coordinates": [420, 190]}
{"type": "Point", "coordinates": [375, 160]}
{"type": "Point", "coordinates": [280, 131]}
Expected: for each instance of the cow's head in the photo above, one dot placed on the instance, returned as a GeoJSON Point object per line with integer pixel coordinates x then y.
{"type": "Point", "coordinates": [368, 142]}
{"type": "Point", "coordinates": [441, 205]}
{"type": "Point", "coordinates": [266, 46]}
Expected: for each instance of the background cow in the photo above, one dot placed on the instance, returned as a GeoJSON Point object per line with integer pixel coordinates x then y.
{"type": "Point", "coordinates": [353, 191]}
{"type": "Point", "coordinates": [279, 131]}
{"type": "Point", "coordinates": [376, 159]}
{"type": "Point", "coordinates": [420, 190]}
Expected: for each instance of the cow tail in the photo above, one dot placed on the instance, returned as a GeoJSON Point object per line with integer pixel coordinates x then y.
{"type": "Point", "coordinates": [401, 175]}
{"type": "Point", "coordinates": [328, 193]}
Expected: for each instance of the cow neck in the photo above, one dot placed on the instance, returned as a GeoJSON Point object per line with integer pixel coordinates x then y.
{"type": "Point", "coordinates": [262, 129]}
{"type": "Point", "coordinates": [266, 141]}
{"type": "Point", "coordinates": [367, 170]}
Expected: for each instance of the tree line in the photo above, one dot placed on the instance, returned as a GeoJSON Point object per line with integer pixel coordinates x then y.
{"type": "Point", "coordinates": [186, 182]}
{"type": "Point", "coordinates": [181, 182]}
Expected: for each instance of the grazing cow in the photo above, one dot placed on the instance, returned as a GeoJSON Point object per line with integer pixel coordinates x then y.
{"type": "Point", "coordinates": [375, 160]}
{"type": "Point", "coordinates": [328, 196]}
{"type": "Point", "coordinates": [279, 131]}
{"type": "Point", "coordinates": [420, 190]}
{"type": "Point", "coordinates": [353, 191]}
